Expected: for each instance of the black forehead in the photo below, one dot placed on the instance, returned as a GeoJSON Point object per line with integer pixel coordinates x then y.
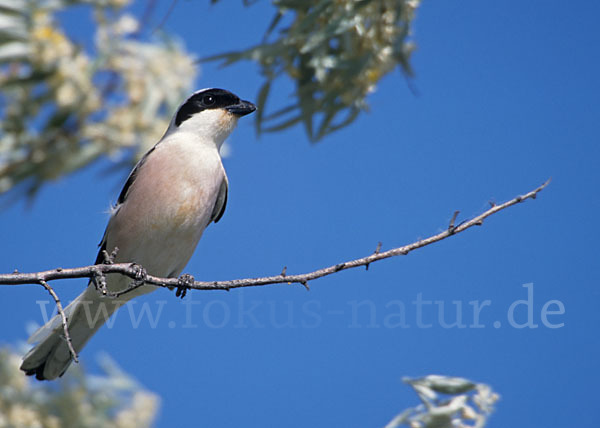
{"type": "Point", "coordinates": [194, 104]}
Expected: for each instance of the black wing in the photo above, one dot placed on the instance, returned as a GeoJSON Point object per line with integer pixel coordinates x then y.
{"type": "Point", "coordinates": [221, 202]}
{"type": "Point", "coordinates": [132, 176]}
{"type": "Point", "coordinates": [120, 200]}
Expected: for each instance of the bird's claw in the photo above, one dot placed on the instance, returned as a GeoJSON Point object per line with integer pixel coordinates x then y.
{"type": "Point", "coordinates": [184, 283]}
{"type": "Point", "coordinates": [139, 271]}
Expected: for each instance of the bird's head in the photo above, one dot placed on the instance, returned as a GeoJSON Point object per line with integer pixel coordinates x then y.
{"type": "Point", "coordinates": [211, 113]}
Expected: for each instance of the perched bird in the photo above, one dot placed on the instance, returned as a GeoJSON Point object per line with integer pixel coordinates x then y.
{"type": "Point", "coordinates": [173, 193]}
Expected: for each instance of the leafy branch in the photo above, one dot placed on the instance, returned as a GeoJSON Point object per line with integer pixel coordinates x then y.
{"type": "Point", "coordinates": [335, 52]}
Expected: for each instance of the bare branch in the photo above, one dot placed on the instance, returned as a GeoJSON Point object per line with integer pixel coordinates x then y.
{"type": "Point", "coordinates": [63, 317]}
{"type": "Point", "coordinates": [141, 277]}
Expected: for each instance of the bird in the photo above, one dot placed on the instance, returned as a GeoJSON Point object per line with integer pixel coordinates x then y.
{"type": "Point", "coordinates": [172, 194]}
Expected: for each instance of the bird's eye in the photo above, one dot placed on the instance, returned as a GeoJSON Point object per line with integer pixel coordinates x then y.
{"type": "Point", "coordinates": [208, 100]}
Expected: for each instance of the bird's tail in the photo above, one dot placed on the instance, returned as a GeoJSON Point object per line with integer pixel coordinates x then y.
{"type": "Point", "coordinates": [51, 357]}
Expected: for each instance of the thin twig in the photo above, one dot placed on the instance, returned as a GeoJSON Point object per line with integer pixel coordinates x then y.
{"type": "Point", "coordinates": [63, 317]}
{"type": "Point", "coordinates": [377, 250]}
{"type": "Point", "coordinates": [133, 271]}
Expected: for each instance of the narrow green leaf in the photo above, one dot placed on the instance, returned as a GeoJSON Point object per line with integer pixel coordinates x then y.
{"type": "Point", "coordinates": [14, 51]}
{"type": "Point", "coordinates": [261, 100]}
{"type": "Point", "coordinates": [273, 24]}
{"type": "Point", "coordinates": [352, 115]}
{"type": "Point", "coordinates": [283, 125]}
{"type": "Point", "coordinates": [281, 112]}
{"type": "Point", "coordinates": [329, 116]}
{"type": "Point", "coordinates": [13, 7]}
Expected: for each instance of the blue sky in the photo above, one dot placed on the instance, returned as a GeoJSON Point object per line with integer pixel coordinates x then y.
{"type": "Point", "coordinates": [508, 97]}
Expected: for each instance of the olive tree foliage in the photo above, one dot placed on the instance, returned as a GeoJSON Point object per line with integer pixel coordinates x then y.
{"type": "Point", "coordinates": [65, 103]}
{"type": "Point", "coordinates": [447, 402]}
{"type": "Point", "coordinates": [62, 106]}
{"type": "Point", "coordinates": [112, 399]}
{"type": "Point", "coordinates": [335, 52]}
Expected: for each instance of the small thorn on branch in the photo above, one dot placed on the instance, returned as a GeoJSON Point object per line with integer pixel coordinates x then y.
{"type": "Point", "coordinates": [284, 271]}
{"type": "Point", "coordinates": [305, 284]}
{"type": "Point", "coordinates": [451, 226]}
{"type": "Point", "coordinates": [492, 204]}
{"type": "Point", "coordinates": [377, 250]}
{"type": "Point", "coordinates": [339, 267]}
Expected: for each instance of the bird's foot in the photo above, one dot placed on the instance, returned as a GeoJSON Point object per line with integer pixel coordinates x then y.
{"type": "Point", "coordinates": [139, 272]}
{"type": "Point", "coordinates": [184, 283]}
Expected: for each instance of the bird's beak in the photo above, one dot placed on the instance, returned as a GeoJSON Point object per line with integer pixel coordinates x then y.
{"type": "Point", "coordinates": [242, 108]}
